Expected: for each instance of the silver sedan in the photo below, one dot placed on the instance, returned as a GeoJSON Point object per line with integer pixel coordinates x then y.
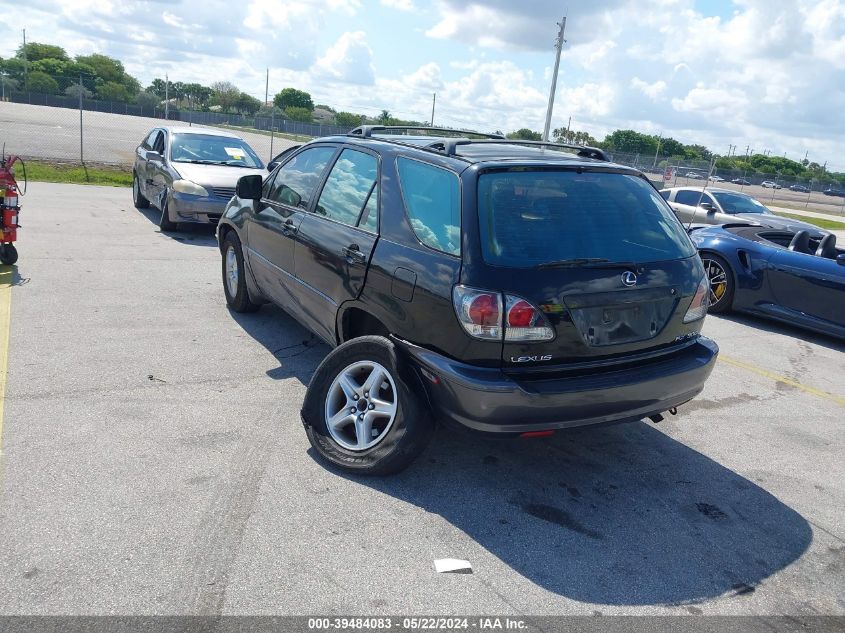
{"type": "Point", "coordinates": [190, 173]}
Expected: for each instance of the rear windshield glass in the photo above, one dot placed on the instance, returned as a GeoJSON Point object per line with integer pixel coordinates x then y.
{"type": "Point", "coordinates": [532, 217]}
{"type": "Point", "coordinates": [212, 150]}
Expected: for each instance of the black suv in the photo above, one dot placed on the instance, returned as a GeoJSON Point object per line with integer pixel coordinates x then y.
{"type": "Point", "coordinates": [508, 287]}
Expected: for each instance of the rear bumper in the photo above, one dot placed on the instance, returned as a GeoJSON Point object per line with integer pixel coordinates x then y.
{"type": "Point", "coordinates": [491, 401]}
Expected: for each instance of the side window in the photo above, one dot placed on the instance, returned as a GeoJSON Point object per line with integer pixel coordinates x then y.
{"type": "Point", "coordinates": [707, 198]}
{"type": "Point", "coordinates": [369, 220]}
{"type": "Point", "coordinates": [158, 145]}
{"type": "Point", "coordinates": [348, 187]}
{"type": "Point", "coordinates": [433, 201]}
{"type": "Point", "coordinates": [150, 140]}
{"type": "Point", "coordinates": [687, 197]}
{"type": "Point", "coordinates": [297, 179]}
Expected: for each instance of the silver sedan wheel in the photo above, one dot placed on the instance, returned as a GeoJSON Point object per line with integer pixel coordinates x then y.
{"type": "Point", "coordinates": [361, 405]}
{"type": "Point", "coordinates": [718, 280]}
{"type": "Point", "coordinates": [232, 272]}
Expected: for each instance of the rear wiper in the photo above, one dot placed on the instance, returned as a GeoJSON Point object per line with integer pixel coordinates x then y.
{"type": "Point", "coordinates": [587, 262]}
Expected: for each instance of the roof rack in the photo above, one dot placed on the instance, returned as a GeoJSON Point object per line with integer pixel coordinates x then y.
{"type": "Point", "coordinates": [450, 146]}
{"type": "Point", "coordinates": [366, 131]}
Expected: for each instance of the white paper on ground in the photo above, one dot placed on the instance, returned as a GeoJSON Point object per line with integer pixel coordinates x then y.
{"type": "Point", "coordinates": [452, 565]}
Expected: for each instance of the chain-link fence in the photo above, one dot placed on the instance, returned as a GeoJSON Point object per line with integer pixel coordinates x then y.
{"type": "Point", "coordinates": [59, 128]}
{"type": "Point", "coordinates": [820, 194]}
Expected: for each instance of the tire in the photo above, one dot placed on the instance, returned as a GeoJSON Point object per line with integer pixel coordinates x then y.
{"type": "Point", "coordinates": [137, 197]}
{"type": "Point", "coordinates": [234, 282]}
{"type": "Point", "coordinates": [394, 440]}
{"type": "Point", "coordinates": [722, 284]}
{"type": "Point", "coordinates": [164, 222]}
{"type": "Point", "coordinates": [8, 254]}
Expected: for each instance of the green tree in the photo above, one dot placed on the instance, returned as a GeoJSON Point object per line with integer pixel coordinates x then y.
{"type": "Point", "coordinates": [157, 87]}
{"type": "Point", "coordinates": [293, 98]}
{"type": "Point", "coordinates": [299, 114]}
{"type": "Point", "coordinates": [36, 51]}
{"type": "Point", "coordinates": [105, 67]}
{"type": "Point", "coordinates": [385, 117]}
{"type": "Point", "coordinates": [225, 94]}
{"type": "Point", "coordinates": [113, 91]}
{"type": "Point", "coordinates": [348, 119]}
{"type": "Point", "coordinates": [524, 134]}
{"type": "Point", "coordinates": [631, 142]}
{"type": "Point", "coordinates": [41, 82]}
{"type": "Point", "coordinates": [15, 68]}
{"type": "Point", "coordinates": [148, 100]}
{"type": "Point", "coordinates": [51, 66]}
{"type": "Point", "coordinates": [562, 135]}
{"type": "Point", "coordinates": [73, 91]}
{"type": "Point", "coordinates": [247, 104]}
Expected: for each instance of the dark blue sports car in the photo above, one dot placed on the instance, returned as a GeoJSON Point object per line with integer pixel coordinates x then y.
{"type": "Point", "coordinates": [785, 275]}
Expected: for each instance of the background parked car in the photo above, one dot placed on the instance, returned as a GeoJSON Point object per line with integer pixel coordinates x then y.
{"type": "Point", "coordinates": [190, 173]}
{"type": "Point", "coordinates": [770, 184]}
{"type": "Point", "coordinates": [740, 181]}
{"type": "Point", "coordinates": [694, 175]}
{"type": "Point", "coordinates": [722, 206]}
{"type": "Point", "coordinates": [830, 191]}
{"type": "Point", "coordinates": [784, 275]}
{"type": "Point", "coordinates": [799, 188]}
{"type": "Point", "coordinates": [716, 179]}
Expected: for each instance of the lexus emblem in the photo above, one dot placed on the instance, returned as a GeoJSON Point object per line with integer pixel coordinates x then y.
{"type": "Point", "coordinates": [629, 278]}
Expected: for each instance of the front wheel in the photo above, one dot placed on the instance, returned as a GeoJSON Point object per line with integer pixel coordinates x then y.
{"type": "Point", "coordinates": [360, 414]}
{"type": "Point", "coordinates": [8, 254]}
{"type": "Point", "coordinates": [721, 281]}
{"type": "Point", "coordinates": [164, 222]}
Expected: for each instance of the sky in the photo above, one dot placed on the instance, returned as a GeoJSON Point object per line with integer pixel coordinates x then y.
{"type": "Point", "coordinates": [755, 74]}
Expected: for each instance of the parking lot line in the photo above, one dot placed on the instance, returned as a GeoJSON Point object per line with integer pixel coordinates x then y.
{"type": "Point", "coordinates": [840, 400]}
{"type": "Point", "coordinates": [5, 322]}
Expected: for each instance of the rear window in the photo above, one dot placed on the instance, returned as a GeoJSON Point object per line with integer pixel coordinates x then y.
{"type": "Point", "coordinates": [531, 218]}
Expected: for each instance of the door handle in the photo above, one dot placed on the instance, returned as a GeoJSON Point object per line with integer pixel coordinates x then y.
{"type": "Point", "coordinates": [290, 228]}
{"type": "Point", "coordinates": [353, 254]}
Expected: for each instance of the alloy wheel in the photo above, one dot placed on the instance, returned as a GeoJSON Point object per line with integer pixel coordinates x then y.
{"type": "Point", "coordinates": [361, 405]}
{"type": "Point", "coordinates": [718, 278]}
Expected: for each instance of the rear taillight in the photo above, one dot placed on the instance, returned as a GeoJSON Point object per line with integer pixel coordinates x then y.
{"type": "Point", "coordinates": [700, 302]}
{"type": "Point", "coordinates": [524, 322]}
{"type": "Point", "coordinates": [481, 315]}
{"type": "Point", "coordinates": [479, 311]}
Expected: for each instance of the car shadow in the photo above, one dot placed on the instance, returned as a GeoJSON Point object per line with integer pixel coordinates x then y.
{"type": "Point", "coordinates": [616, 515]}
{"type": "Point", "coordinates": [188, 233]}
{"type": "Point", "coordinates": [778, 327]}
{"type": "Point", "coordinates": [296, 349]}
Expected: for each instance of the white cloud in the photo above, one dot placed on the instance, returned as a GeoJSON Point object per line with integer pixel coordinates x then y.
{"type": "Point", "coordinates": [402, 5]}
{"type": "Point", "coordinates": [349, 60]}
{"type": "Point", "coordinates": [653, 91]}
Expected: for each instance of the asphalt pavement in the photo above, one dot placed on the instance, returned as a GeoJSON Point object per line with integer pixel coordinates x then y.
{"type": "Point", "coordinates": [153, 462]}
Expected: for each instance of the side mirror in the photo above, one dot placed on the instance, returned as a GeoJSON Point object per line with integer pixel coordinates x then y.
{"type": "Point", "coordinates": [708, 207]}
{"type": "Point", "coordinates": [840, 259]}
{"type": "Point", "coordinates": [155, 157]}
{"type": "Point", "coordinates": [249, 187]}
{"type": "Point", "coordinates": [271, 166]}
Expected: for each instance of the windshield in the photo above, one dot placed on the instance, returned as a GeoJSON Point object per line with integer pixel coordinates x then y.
{"type": "Point", "coordinates": [213, 150]}
{"type": "Point", "coordinates": [737, 203]}
{"type": "Point", "coordinates": [529, 218]}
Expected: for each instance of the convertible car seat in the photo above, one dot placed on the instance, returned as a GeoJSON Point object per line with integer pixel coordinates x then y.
{"type": "Point", "coordinates": [827, 247]}
{"type": "Point", "coordinates": [801, 243]}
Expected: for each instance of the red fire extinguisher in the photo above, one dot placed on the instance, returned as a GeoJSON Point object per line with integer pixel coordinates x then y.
{"type": "Point", "coordinates": [9, 208]}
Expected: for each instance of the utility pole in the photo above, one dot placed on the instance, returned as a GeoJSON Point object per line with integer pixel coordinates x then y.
{"type": "Point", "coordinates": [166, 96]}
{"type": "Point", "coordinates": [267, 89]}
{"type": "Point", "coordinates": [25, 63]}
{"type": "Point", "coordinates": [558, 47]}
{"type": "Point", "coordinates": [657, 151]}
{"type": "Point", "coordinates": [433, 101]}
{"type": "Point", "coordinates": [81, 161]}
{"type": "Point", "coordinates": [807, 153]}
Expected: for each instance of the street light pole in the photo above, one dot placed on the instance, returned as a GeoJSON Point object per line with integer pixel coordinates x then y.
{"type": "Point", "coordinates": [558, 47]}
